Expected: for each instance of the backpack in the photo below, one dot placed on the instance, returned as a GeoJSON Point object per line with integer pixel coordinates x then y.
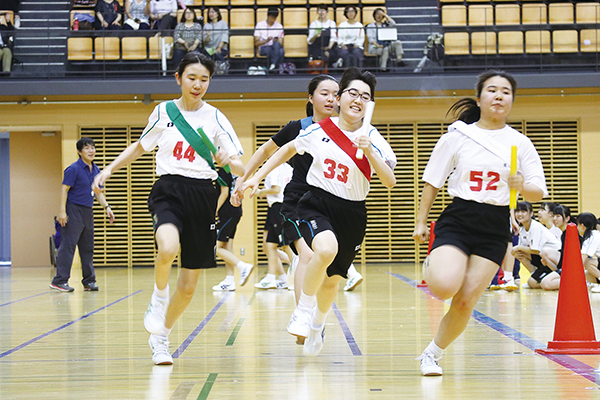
{"type": "Point", "coordinates": [435, 47]}
{"type": "Point", "coordinates": [221, 67]}
{"type": "Point", "coordinates": [287, 68]}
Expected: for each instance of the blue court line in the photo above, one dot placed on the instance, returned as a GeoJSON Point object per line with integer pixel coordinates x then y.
{"type": "Point", "coordinates": [565, 361]}
{"type": "Point", "coordinates": [347, 333]}
{"type": "Point", "coordinates": [199, 328]}
{"type": "Point", "coordinates": [27, 343]}
{"type": "Point", "coordinates": [25, 298]}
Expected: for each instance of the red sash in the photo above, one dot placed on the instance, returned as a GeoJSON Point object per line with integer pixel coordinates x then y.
{"type": "Point", "coordinates": [347, 145]}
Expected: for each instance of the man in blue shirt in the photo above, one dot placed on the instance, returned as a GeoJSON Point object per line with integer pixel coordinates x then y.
{"type": "Point", "coordinates": [76, 218]}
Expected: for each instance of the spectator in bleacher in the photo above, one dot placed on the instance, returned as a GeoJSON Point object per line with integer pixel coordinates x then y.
{"type": "Point", "coordinates": [137, 19]}
{"type": "Point", "coordinates": [268, 38]}
{"type": "Point", "coordinates": [163, 14]}
{"type": "Point", "coordinates": [6, 43]}
{"type": "Point", "coordinates": [14, 6]}
{"type": "Point", "coordinates": [383, 48]}
{"type": "Point", "coordinates": [321, 35]}
{"type": "Point", "coordinates": [351, 40]}
{"type": "Point", "coordinates": [109, 14]}
{"type": "Point", "coordinates": [216, 35]}
{"type": "Point", "coordinates": [187, 37]}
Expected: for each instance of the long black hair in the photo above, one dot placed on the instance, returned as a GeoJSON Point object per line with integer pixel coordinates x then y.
{"type": "Point", "coordinates": [312, 87]}
{"type": "Point", "coordinates": [589, 221]}
{"type": "Point", "coordinates": [563, 211]}
{"type": "Point", "coordinates": [466, 109]}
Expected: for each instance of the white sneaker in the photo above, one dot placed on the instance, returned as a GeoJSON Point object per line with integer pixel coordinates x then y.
{"type": "Point", "coordinates": [314, 342]}
{"type": "Point", "coordinates": [429, 364]}
{"type": "Point", "coordinates": [160, 350]}
{"type": "Point", "coordinates": [526, 286]}
{"type": "Point", "coordinates": [353, 282]}
{"type": "Point", "coordinates": [300, 322]}
{"type": "Point", "coordinates": [245, 271]}
{"type": "Point", "coordinates": [509, 286]}
{"type": "Point", "coordinates": [266, 284]}
{"type": "Point", "coordinates": [271, 67]}
{"type": "Point", "coordinates": [154, 319]}
{"type": "Point", "coordinates": [339, 63]}
{"type": "Point", "coordinates": [595, 289]}
{"type": "Point", "coordinates": [281, 284]}
{"type": "Point", "coordinates": [224, 287]}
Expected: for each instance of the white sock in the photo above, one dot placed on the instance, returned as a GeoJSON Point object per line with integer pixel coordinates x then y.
{"type": "Point", "coordinates": [270, 277]}
{"type": "Point", "coordinates": [241, 264]}
{"type": "Point", "coordinates": [318, 319]}
{"type": "Point", "coordinates": [508, 276]}
{"type": "Point", "coordinates": [282, 277]}
{"type": "Point", "coordinates": [435, 349]}
{"type": "Point", "coordinates": [229, 279]}
{"type": "Point", "coordinates": [352, 271]}
{"type": "Point", "coordinates": [162, 293]}
{"type": "Point", "coordinates": [307, 302]}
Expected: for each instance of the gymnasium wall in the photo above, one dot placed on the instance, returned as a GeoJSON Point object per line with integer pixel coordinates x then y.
{"type": "Point", "coordinates": [244, 112]}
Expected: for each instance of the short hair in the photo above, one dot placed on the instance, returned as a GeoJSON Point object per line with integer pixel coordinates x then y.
{"type": "Point", "coordinates": [215, 9]}
{"type": "Point", "coordinates": [524, 206]}
{"type": "Point", "coordinates": [322, 7]}
{"type": "Point", "coordinates": [355, 74]}
{"type": "Point", "coordinates": [273, 12]}
{"type": "Point", "coordinates": [194, 18]}
{"type": "Point", "coordinates": [85, 141]}
{"type": "Point", "coordinates": [348, 8]}
{"type": "Point", "coordinates": [548, 206]}
{"type": "Point", "coordinates": [196, 58]}
{"type": "Point", "coordinates": [378, 9]}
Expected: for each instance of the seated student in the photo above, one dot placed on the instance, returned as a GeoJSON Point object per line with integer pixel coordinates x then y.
{"type": "Point", "coordinates": [163, 14]}
{"type": "Point", "coordinates": [187, 37]}
{"type": "Point", "coordinates": [546, 217]}
{"type": "Point", "coordinates": [538, 249]}
{"type": "Point", "coordinates": [351, 40]}
{"type": "Point", "coordinates": [109, 14]}
{"type": "Point", "coordinates": [590, 248]}
{"type": "Point", "coordinates": [321, 35]}
{"type": "Point", "coordinates": [137, 19]}
{"type": "Point", "coordinates": [561, 216]}
{"type": "Point", "coordinates": [383, 48]}
{"type": "Point", "coordinates": [216, 35]}
{"type": "Point", "coordinates": [268, 39]}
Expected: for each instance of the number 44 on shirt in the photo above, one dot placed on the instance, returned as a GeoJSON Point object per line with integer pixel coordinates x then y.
{"type": "Point", "coordinates": [189, 154]}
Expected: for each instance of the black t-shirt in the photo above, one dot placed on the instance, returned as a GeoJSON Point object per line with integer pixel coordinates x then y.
{"type": "Point", "coordinates": [300, 163]}
{"type": "Point", "coordinates": [227, 210]}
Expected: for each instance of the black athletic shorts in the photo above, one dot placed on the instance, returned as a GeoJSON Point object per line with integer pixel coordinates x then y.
{"type": "Point", "coordinates": [321, 211]}
{"type": "Point", "coordinates": [475, 228]}
{"type": "Point", "coordinates": [274, 224]}
{"type": "Point", "coordinates": [226, 228]}
{"type": "Point", "coordinates": [291, 231]}
{"type": "Point", "coordinates": [189, 204]}
{"type": "Point", "coordinates": [541, 270]}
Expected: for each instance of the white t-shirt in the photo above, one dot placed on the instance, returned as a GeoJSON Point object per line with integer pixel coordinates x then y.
{"type": "Point", "coordinates": [538, 237]}
{"type": "Point", "coordinates": [264, 31]}
{"type": "Point", "coordinates": [175, 156]}
{"type": "Point", "coordinates": [351, 34]}
{"type": "Point", "coordinates": [478, 174]}
{"type": "Point", "coordinates": [332, 169]}
{"type": "Point", "coordinates": [556, 231]}
{"type": "Point", "coordinates": [591, 245]}
{"type": "Point", "coordinates": [280, 176]}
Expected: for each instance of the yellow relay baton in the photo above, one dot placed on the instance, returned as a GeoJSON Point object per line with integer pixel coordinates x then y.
{"type": "Point", "coordinates": [513, 171]}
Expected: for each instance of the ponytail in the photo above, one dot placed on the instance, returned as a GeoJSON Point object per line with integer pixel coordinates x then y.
{"type": "Point", "coordinates": [465, 110]}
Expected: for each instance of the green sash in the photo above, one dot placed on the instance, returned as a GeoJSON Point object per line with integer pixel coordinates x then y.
{"type": "Point", "coordinates": [201, 144]}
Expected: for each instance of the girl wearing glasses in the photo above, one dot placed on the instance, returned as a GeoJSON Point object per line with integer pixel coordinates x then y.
{"type": "Point", "coordinates": [333, 212]}
{"type": "Point", "coordinates": [471, 235]}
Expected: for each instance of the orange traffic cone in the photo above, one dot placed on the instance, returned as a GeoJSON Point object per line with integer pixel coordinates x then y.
{"type": "Point", "coordinates": [431, 239]}
{"type": "Point", "coordinates": [574, 328]}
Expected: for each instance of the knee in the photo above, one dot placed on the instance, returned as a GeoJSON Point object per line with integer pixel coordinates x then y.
{"type": "Point", "coordinates": [442, 290]}
{"type": "Point", "coordinates": [186, 289]}
{"type": "Point", "coordinates": [168, 250]}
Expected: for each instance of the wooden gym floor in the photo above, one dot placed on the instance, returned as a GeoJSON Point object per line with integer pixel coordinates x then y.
{"type": "Point", "coordinates": [235, 346]}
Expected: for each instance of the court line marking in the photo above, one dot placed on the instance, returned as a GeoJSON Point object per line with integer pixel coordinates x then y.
{"type": "Point", "coordinates": [235, 332]}
{"type": "Point", "coordinates": [207, 386]}
{"type": "Point", "coordinates": [199, 328]}
{"type": "Point", "coordinates": [183, 390]}
{"type": "Point", "coordinates": [25, 298]}
{"type": "Point", "coordinates": [568, 362]}
{"type": "Point", "coordinates": [35, 339]}
{"type": "Point", "coordinates": [347, 333]}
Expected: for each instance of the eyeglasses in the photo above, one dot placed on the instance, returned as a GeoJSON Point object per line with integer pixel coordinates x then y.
{"type": "Point", "coordinates": [365, 97]}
